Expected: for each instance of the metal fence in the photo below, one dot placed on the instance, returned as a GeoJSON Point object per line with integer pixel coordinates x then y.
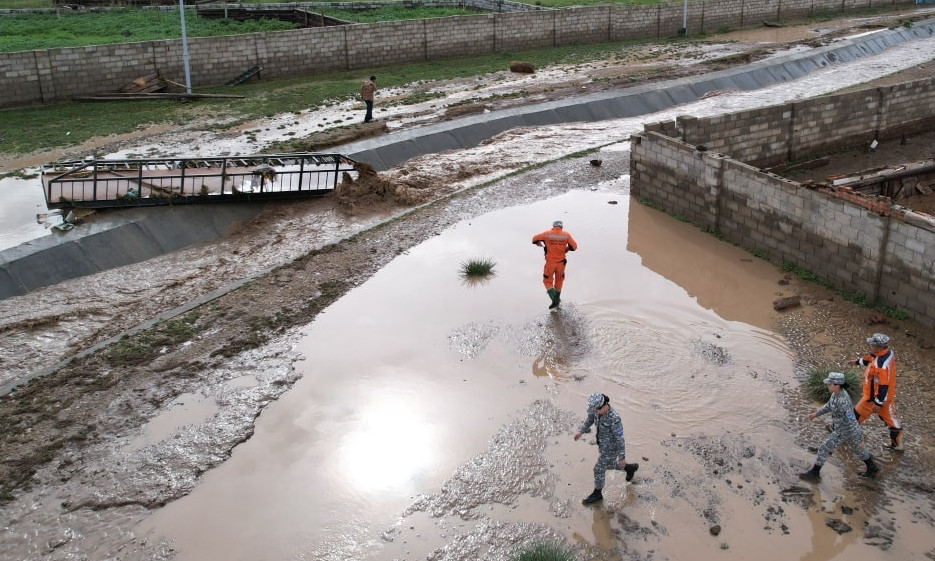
{"type": "Point", "coordinates": [163, 181]}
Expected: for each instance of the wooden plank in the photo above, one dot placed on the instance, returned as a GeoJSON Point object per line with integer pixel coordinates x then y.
{"type": "Point", "coordinates": [150, 96]}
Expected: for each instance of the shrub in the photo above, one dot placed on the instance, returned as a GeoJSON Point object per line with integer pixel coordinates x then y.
{"type": "Point", "coordinates": [477, 268]}
{"type": "Point", "coordinates": [522, 67]}
{"type": "Point", "coordinates": [816, 389]}
{"type": "Point", "coordinates": [543, 552]}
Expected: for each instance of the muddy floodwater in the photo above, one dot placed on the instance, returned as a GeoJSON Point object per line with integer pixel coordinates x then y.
{"type": "Point", "coordinates": [423, 417]}
{"type": "Point", "coordinates": [434, 417]}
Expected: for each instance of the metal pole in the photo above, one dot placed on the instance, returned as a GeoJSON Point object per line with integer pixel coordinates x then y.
{"type": "Point", "coordinates": [684, 30]}
{"type": "Point", "coordinates": [188, 77]}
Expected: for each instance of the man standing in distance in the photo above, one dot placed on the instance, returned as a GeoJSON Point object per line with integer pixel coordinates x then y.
{"type": "Point", "coordinates": [611, 445]}
{"type": "Point", "coordinates": [366, 93]}
{"type": "Point", "coordinates": [556, 243]}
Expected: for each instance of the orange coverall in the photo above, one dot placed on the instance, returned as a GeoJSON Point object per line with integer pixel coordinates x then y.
{"type": "Point", "coordinates": [879, 388]}
{"type": "Point", "coordinates": [557, 242]}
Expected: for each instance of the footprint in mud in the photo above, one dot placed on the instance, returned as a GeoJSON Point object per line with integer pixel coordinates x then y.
{"type": "Point", "coordinates": [558, 340]}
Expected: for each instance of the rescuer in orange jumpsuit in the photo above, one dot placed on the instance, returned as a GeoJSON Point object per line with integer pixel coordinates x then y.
{"type": "Point", "coordinates": [879, 387]}
{"type": "Point", "coordinates": [556, 243]}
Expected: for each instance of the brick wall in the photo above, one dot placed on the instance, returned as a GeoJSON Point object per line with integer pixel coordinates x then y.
{"type": "Point", "coordinates": [60, 74]}
{"type": "Point", "coordinates": [858, 243]}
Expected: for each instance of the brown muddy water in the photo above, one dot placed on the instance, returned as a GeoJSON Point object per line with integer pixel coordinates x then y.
{"type": "Point", "coordinates": [434, 418]}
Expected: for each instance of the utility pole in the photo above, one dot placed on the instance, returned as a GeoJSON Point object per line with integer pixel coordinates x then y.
{"type": "Point", "coordinates": [188, 76]}
{"type": "Point", "coordinates": [684, 30]}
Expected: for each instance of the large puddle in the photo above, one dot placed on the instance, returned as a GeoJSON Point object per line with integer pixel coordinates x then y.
{"type": "Point", "coordinates": [434, 418]}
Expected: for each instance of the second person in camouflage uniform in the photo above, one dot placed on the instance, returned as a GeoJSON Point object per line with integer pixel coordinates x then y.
{"type": "Point", "coordinates": [844, 428]}
{"type": "Point", "coordinates": [610, 443]}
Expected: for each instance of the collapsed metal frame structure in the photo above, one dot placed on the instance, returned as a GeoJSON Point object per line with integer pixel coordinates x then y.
{"type": "Point", "coordinates": [167, 181]}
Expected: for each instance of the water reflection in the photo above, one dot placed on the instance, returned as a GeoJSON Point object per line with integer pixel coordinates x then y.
{"type": "Point", "coordinates": [22, 201]}
{"type": "Point", "coordinates": [390, 441]}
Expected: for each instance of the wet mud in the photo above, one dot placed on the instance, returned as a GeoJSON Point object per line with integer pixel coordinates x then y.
{"type": "Point", "coordinates": [362, 402]}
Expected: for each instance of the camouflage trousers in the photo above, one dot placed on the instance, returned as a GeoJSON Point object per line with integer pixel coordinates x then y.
{"type": "Point", "coordinates": [850, 435]}
{"type": "Point", "coordinates": [604, 462]}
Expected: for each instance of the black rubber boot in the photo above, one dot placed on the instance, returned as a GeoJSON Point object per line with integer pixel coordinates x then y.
{"type": "Point", "coordinates": [896, 440]}
{"type": "Point", "coordinates": [594, 497]}
{"type": "Point", "coordinates": [813, 474]}
{"type": "Point", "coordinates": [872, 469]}
{"type": "Point", "coordinates": [631, 469]}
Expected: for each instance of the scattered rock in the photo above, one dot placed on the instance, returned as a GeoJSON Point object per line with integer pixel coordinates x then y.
{"type": "Point", "coordinates": [711, 353]}
{"type": "Point", "coordinates": [876, 318]}
{"type": "Point", "coordinates": [838, 525]}
{"type": "Point", "coordinates": [715, 530]}
{"type": "Point", "coordinates": [847, 510]}
{"type": "Point", "coordinates": [786, 303]}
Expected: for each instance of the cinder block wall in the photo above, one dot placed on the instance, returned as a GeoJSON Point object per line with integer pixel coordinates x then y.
{"type": "Point", "coordinates": [791, 131]}
{"type": "Point", "coordinates": [460, 36]}
{"type": "Point", "coordinates": [60, 74]}
{"type": "Point", "coordinates": [857, 243]}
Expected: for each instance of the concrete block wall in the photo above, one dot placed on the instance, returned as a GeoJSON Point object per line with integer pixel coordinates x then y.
{"type": "Point", "coordinates": [385, 43]}
{"type": "Point", "coordinates": [857, 243]}
{"type": "Point", "coordinates": [907, 281]}
{"type": "Point", "coordinates": [715, 15]}
{"type": "Point", "coordinates": [670, 174]}
{"type": "Point", "coordinates": [629, 22]}
{"type": "Point", "coordinates": [524, 31]}
{"type": "Point", "coordinates": [21, 76]}
{"type": "Point", "coordinates": [804, 8]}
{"type": "Point", "coordinates": [762, 10]}
{"type": "Point", "coordinates": [830, 237]}
{"type": "Point", "coordinates": [826, 123]}
{"type": "Point", "coordinates": [909, 108]}
{"type": "Point", "coordinates": [582, 26]}
{"type": "Point", "coordinates": [756, 136]}
{"type": "Point", "coordinates": [460, 36]}
{"type": "Point", "coordinates": [792, 131]}
{"type": "Point", "coordinates": [72, 70]}
{"type": "Point", "coordinates": [299, 53]}
{"type": "Point", "coordinates": [58, 74]}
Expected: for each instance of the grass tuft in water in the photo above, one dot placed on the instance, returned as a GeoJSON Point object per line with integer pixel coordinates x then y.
{"type": "Point", "coordinates": [543, 552]}
{"type": "Point", "coordinates": [816, 389]}
{"type": "Point", "coordinates": [477, 268]}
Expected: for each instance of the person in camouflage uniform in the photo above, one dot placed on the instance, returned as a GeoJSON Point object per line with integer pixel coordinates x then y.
{"type": "Point", "coordinates": [610, 443]}
{"type": "Point", "coordinates": [844, 428]}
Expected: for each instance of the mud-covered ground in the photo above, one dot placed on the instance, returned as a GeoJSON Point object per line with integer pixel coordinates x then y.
{"type": "Point", "coordinates": [59, 434]}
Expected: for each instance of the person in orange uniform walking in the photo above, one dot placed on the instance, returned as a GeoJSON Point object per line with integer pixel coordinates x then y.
{"type": "Point", "coordinates": [879, 387]}
{"type": "Point", "coordinates": [556, 243]}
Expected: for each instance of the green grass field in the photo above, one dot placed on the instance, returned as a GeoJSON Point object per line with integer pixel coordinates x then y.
{"type": "Point", "coordinates": [56, 125]}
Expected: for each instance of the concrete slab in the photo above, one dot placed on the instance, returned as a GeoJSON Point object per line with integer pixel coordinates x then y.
{"type": "Point", "coordinates": [681, 94]}
{"type": "Point", "coordinates": [9, 286]}
{"type": "Point", "coordinates": [438, 142]}
{"type": "Point", "coordinates": [52, 266]}
{"type": "Point", "coordinates": [114, 239]}
{"type": "Point", "coordinates": [130, 243]}
{"type": "Point", "coordinates": [585, 112]}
